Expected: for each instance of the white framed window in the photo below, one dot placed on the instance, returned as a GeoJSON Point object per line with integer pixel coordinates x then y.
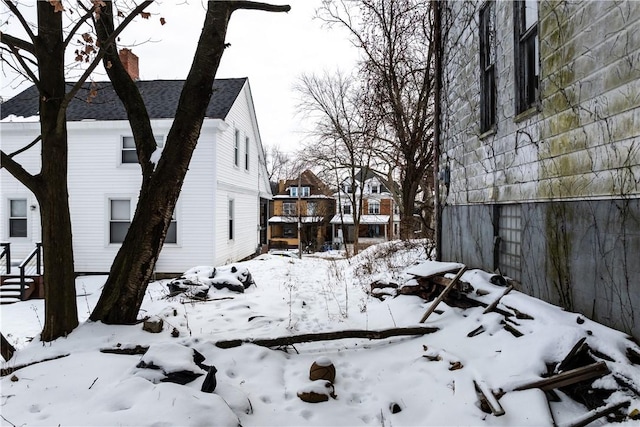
{"type": "Point", "coordinates": [18, 218]}
{"type": "Point", "coordinates": [288, 208]}
{"type": "Point", "coordinates": [246, 153]}
{"type": "Point", "coordinates": [527, 56]}
{"type": "Point", "coordinates": [129, 154]}
{"type": "Point", "coordinates": [312, 208]}
{"type": "Point", "coordinates": [346, 209]}
{"type": "Point", "coordinates": [236, 149]}
{"type": "Point", "coordinates": [119, 219]}
{"type": "Point", "coordinates": [231, 218]}
{"type": "Point", "coordinates": [172, 231]}
{"type": "Point", "coordinates": [374, 207]}
{"type": "Point", "coordinates": [375, 188]}
{"type": "Point", "coordinates": [304, 191]}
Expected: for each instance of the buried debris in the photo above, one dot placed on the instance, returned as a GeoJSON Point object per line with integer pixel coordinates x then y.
{"type": "Point", "coordinates": [567, 378]}
{"type": "Point", "coordinates": [328, 336]}
{"type": "Point", "coordinates": [196, 282]}
{"type": "Point", "coordinates": [488, 399]}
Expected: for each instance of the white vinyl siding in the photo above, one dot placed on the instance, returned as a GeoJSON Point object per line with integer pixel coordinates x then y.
{"type": "Point", "coordinates": [201, 220]}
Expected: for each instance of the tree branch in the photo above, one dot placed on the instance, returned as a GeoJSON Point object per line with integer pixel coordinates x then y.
{"type": "Point", "coordinates": [18, 172]}
{"type": "Point", "coordinates": [252, 5]}
{"type": "Point", "coordinates": [14, 9]}
{"type": "Point", "coordinates": [81, 21]}
{"type": "Point", "coordinates": [25, 148]}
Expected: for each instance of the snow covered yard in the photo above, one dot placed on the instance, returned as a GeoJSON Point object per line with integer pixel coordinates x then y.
{"type": "Point", "coordinates": [400, 381]}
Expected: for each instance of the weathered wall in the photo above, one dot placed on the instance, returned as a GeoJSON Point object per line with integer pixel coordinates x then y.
{"type": "Point", "coordinates": [572, 163]}
{"type": "Point", "coordinates": [580, 255]}
{"type": "Point", "coordinates": [583, 139]}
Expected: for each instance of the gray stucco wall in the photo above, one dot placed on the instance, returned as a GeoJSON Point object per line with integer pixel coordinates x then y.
{"type": "Point", "coordinates": [583, 255]}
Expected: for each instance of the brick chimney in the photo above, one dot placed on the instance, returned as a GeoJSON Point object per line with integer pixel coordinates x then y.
{"type": "Point", "coordinates": [130, 62]}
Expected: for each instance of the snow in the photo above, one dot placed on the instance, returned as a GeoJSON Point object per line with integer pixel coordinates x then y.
{"type": "Point", "coordinates": [259, 386]}
{"type": "Point", "coordinates": [13, 118]}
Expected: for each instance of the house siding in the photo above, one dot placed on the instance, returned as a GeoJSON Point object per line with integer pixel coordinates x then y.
{"type": "Point", "coordinates": [244, 186]}
{"type": "Point", "coordinates": [96, 176]}
{"type": "Point", "coordinates": [572, 165]}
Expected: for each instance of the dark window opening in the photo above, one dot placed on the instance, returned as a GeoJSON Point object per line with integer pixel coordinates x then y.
{"type": "Point", "coordinates": [487, 67]}
{"type": "Point", "coordinates": [527, 67]}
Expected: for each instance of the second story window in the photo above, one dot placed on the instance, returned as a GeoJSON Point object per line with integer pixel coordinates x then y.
{"type": "Point", "coordinates": [288, 208]}
{"type": "Point", "coordinates": [246, 153]}
{"type": "Point", "coordinates": [527, 67]}
{"type": "Point", "coordinates": [129, 153]}
{"type": "Point", "coordinates": [312, 208]}
{"type": "Point", "coordinates": [374, 207]}
{"type": "Point", "coordinates": [236, 149]}
{"type": "Point", "coordinates": [487, 67]}
{"type": "Point", "coordinates": [346, 209]}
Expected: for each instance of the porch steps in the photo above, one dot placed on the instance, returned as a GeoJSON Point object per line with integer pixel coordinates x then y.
{"type": "Point", "coordinates": [10, 290]}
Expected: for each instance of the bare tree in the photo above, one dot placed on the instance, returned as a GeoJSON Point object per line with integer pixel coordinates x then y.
{"type": "Point", "coordinates": [134, 263]}
{"type": "Point", "coordinates": [277, 162]}
{"type": "Point", "coordinates": [395, 38]}
{"type": "Point", "coordinates": [40, 56]}
{"type": "Point", "coordinates": [343, 136]}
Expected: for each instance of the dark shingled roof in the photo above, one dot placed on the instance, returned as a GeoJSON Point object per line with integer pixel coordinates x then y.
{"type": "Point", "coordinates": [160, 96]}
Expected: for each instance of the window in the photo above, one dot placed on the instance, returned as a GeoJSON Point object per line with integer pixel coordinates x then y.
{"type": "Point", "coordinates": [312, 208]}
{"type": "Point", "coordinates": [119, 219]}
{"type": "Point", "coordinates": [527, 68]}
{"type": "Point", "coordinates": [230, 219]}
{"type": "Point", "coordinates": [172, 232]}
{"type": "Point", "coordinates": [246, 153]}
{"type": "Point", "coordinates": [288, 208]}
{"type": "Point", "coordinates": [236, 149]}
{"type": "Point", "coordinates": [129, 153]}
{"type": "Point", "coordinates": [289, 230]}
{"type": "Point", "coordinates": [487, 67]}
{"type": "Point", "coordinates": [346, 209]}
{"type": "Point", "coordinates": [304, 191]}
{"type": "Point", "coordinates": [18, 218]}
{"type": "Point", "coordinates": [374, 207]}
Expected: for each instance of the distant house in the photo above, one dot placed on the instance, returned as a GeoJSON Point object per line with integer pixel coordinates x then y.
{"type": "Point", "coordinates": [221, 215]}
{"type": "Point", "coordinates": [303, 202]}
{"type": "Point", "coordinates": [380, 217]}
{"type": "Point", "coordinates": [540, 143]}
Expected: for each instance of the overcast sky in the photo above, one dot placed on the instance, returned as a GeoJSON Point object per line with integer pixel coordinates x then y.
{"type": "Point", "coordinates": [271, 49]}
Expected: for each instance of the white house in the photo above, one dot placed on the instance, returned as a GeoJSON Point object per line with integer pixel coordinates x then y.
{"type": "Point", "coordinates": [221, 213]}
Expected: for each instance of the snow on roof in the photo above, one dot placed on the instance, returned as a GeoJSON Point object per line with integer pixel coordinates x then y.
{"type": "Point", "coordinates": [294, 219]}
{"type": "Point", "coordinates": [364, 219]}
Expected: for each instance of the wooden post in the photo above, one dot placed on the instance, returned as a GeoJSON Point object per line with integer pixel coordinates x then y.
{"type": "Point", "coordinates": [443, 294]}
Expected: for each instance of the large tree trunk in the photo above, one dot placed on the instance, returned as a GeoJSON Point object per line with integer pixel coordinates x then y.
{"type": "Point", "coordinates": [61, 315]}
{"type": "Point", "coordinates": [133, 266]}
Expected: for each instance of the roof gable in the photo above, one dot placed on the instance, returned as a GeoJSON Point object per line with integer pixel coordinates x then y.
{"type": "Point", "coordinates": [160, 97]}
